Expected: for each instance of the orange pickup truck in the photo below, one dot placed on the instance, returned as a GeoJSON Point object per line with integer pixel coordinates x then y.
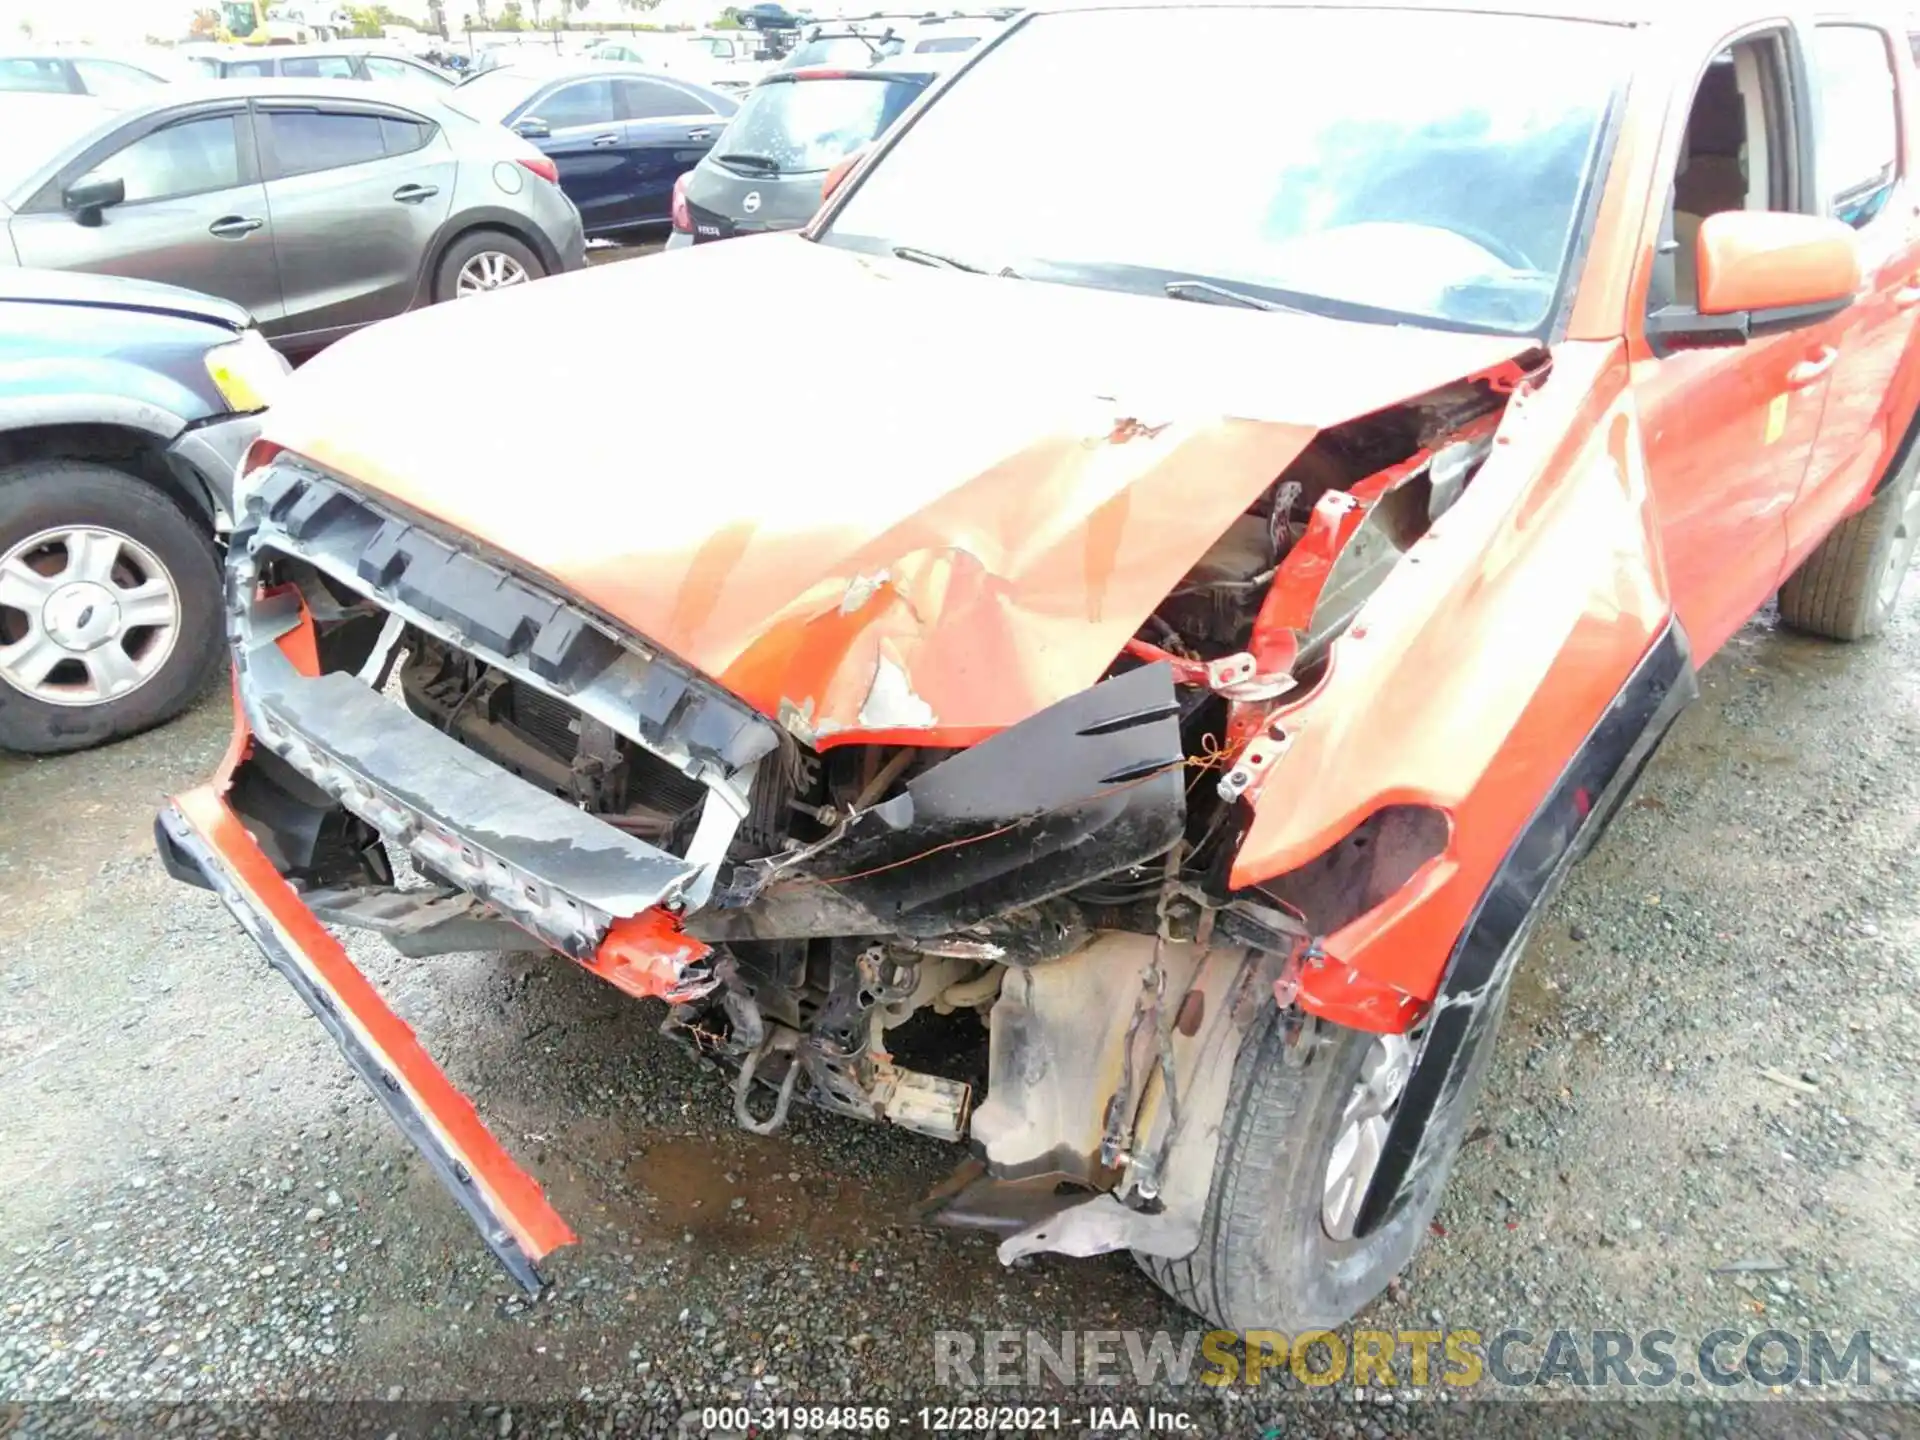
{"type": "Point", "coordinates": [1113, 671]}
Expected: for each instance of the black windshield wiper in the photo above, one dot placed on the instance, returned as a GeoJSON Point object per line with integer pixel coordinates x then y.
{"type": "Point", "coordinates": [752, 162]}
{"type": "Point", "coordinates": [947, 262]}
{"type": "Point", "coordinates": [939, 262]}
{"type": "Point", "coordinates": [1208, 293]}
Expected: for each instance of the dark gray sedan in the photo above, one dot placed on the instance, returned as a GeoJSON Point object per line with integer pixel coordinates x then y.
{"type": "Point", "coordinates": [319, 206]}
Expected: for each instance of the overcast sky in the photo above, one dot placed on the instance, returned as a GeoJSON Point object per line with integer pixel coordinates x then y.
{"type": "Point", "coordinates": [129, 21]}
{"type": "Point", "coordinates": [95, 19]}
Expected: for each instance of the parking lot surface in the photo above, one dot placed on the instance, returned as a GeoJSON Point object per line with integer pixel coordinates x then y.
{"type": "Point", "coordinates": [1702, 1114]}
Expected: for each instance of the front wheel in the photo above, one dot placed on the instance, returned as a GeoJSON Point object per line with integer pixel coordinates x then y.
{"type": "Point", "coordinates": [109, 606]}
{"type": "Point", "coordinates": [1301, 1137]}
{"type": "Point", "coordinates": [1846, 588]}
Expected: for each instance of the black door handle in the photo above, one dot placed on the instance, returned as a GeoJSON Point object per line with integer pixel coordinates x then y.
{"type": "Point", "coordinates": [233, 227]}
{"type": "Point", "coordinates": [414, 194]}
{"type": "Point", "coordinates": [606, 139]}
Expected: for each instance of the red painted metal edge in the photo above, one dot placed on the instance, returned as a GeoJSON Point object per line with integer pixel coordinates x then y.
{"type": "Point", "coordinates": [258, 895]}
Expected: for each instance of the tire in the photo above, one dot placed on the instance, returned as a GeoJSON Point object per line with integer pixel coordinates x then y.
{"type": "Point", "coordinates": [1846, 588]}
{"type": "Point", "coordinates": [147, 532]}
{"type": "Point", "coordinates": [475, 244]}
{"type": "Point", "coordinates": [1265, 1260]}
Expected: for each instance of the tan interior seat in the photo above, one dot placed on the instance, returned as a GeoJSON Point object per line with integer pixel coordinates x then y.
{"type": "Point", "coordinates": [1712, 174]}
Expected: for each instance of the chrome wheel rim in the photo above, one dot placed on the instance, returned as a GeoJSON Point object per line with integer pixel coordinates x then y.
{"type": "Point", "coordinates": [489, 270]}
{"type": "Point", "coordinates": [87, 615]}
{"type": "Point", "coordinates": [1362, 1136]}
{"type": "Point", "coordinates": [1906, 532]}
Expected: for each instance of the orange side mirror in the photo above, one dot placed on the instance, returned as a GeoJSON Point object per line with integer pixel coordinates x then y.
{"type": "Point", "coordinates": [1758, 260]}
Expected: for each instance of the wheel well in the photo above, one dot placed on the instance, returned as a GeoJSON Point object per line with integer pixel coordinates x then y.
{"type": "Point", "coordinates": [1898, 458]}
{"type": "Point", "coordinates": [487, 227]}
{"type": "Point", "coordinates": [135, 451]}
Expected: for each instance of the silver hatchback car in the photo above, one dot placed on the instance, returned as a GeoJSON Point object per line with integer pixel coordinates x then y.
{"type": "Point", "coordinates": [320, 206]}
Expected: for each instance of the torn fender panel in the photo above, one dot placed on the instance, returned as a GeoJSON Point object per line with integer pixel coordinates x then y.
{"type": "Point", "coordinates": [1026, 513]}
{"type": "Point", "coordinates": [503, 1201]}
{"type": "Point", "coordinates": [1474, 671]}
{"type": "Point", "coordinates": [1472, 996]}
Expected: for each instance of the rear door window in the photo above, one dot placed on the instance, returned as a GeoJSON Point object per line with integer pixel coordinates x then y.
{"type": "Point", "coordinates": [651, 100]}
{"type": "Point", "coordinates": [585, 102]}
{"type": "Point", "coordinates": [308, 140]}
{"type": "Point", "coordinates": [798, 126]}
{"type": "Point", "coordinates": [318, 67]}
{"type": "Point", "coordinates": [403, 136]}
{"type": "Point", "coordinates": [249, 68]}
{"type": "Point", "coordinates": [1858, 141]}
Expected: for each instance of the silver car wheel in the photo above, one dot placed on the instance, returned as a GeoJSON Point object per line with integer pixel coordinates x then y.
{"type": "Point", "coordinates": [87, 615]}
{"type": "Point", "coordinates": [1363, 1132]}
{"type": "Point", "coordinates": [1906, 538]}
{"type": "Point", "coordinates": [489, 270]}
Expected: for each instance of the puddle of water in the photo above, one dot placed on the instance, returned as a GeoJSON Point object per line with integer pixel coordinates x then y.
{"type": "Point", "coordinates": [752, 1190]}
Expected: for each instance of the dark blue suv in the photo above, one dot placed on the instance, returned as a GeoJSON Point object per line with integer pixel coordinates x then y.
{"type": "Point", "coordinates": [124, 409]}
{"type": "Point", "coordinates": [766, 16]}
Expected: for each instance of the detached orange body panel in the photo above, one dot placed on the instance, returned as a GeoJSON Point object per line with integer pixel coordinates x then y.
{"type": "Point", "coordinates": [513, 1216]}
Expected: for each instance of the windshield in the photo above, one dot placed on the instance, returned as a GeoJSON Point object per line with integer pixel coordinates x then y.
{"type": "Point", "coordinates": [791, 127]}
{"type": "Point", "coordinates": [1378, 164]}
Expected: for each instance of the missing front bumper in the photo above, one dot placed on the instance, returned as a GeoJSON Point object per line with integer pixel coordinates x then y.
{"type": "Point", "coordinates": [202, 839]}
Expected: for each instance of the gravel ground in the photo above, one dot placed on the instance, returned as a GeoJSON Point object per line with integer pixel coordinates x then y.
{"type": "Point", "coordinates": [199, 1202]}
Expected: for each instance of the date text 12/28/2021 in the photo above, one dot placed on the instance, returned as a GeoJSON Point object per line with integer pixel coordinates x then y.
{"type": "Point", "coordinates": [941, 1419]}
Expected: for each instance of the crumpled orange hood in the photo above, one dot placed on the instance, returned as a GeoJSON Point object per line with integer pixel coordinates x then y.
{"type": "Point", "coordinates": [878, 501]}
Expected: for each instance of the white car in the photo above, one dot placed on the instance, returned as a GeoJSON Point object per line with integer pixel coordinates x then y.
{"type": "Point", "coordinates": [949, 36]}
{"type": "Point", "coordinates": [698, 57]}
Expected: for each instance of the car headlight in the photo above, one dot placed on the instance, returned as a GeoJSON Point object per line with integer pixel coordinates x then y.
{"type": "Point", "coordinates": [248, 372]}
{"type": "Point", "coordinates": [246, 477]}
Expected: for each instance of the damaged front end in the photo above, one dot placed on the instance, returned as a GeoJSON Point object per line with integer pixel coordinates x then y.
{"type": "Point", "coordinates": [1031, 943]}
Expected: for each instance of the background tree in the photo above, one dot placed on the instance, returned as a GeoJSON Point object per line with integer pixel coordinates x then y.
{"type": "Point", "coordinates": [368, 22]}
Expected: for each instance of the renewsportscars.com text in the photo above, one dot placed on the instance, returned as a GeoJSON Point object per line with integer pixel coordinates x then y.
{"type": "Point", "coordinates": [1418, 1359]}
